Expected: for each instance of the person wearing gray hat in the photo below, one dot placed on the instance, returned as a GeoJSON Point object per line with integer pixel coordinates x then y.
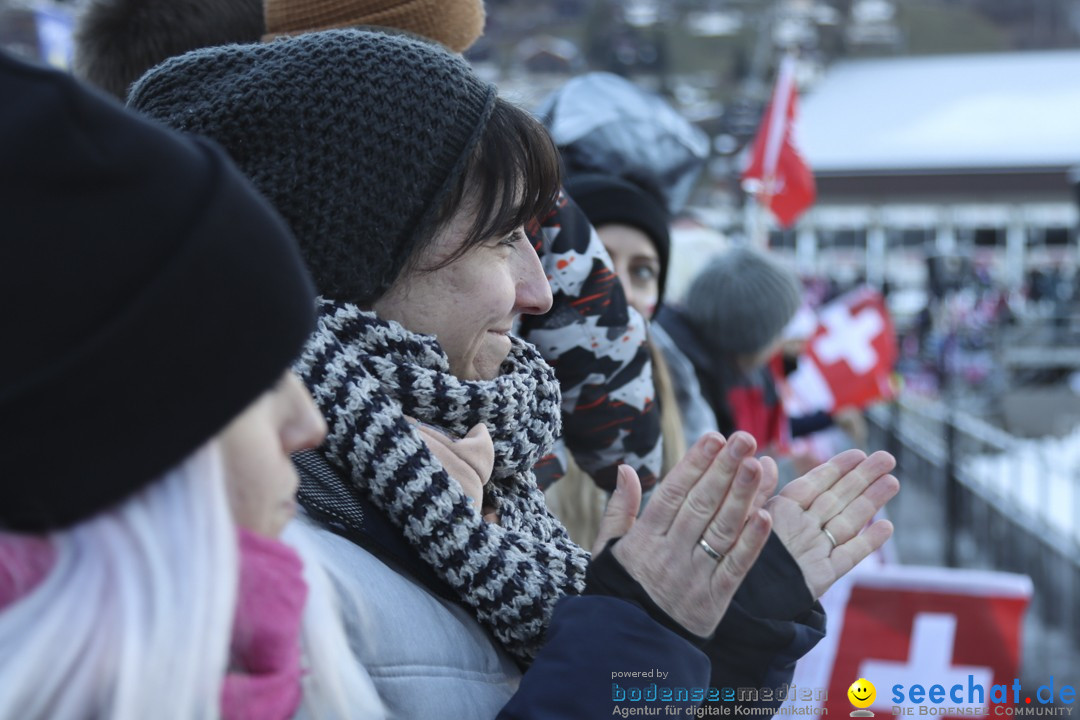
{"type": "Point", "coordinates": [609, 416]}
{"type": "Point", "coordinates": [729, 326]}
{"type": "Point", "coordinates": [408, 183]}
{"type": "Point", "coordinates": [149, 415]}
{"type": "Point", "coordinates": [734, 321]}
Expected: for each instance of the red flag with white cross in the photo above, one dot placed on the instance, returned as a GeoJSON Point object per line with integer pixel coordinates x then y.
{"type": "Point", "coordinates": [848, 361]}
{"type": "Point", "coordinates": [932, 641]}
{"type": "Point", "coordinates": [777, 175]}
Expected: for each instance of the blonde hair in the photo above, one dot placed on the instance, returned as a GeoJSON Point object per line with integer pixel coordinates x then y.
{"type": "Point", "coordinates": [139, 605]}
{"type": "Point", "coordinates": [578, 502]}
{"type": "Point", "coordinates": [133, 620]}
{"type": "Point", "coordinates": [671, 427]}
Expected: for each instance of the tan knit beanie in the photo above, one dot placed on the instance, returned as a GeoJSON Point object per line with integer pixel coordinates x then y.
{"type": "Point", "coordinates": [455, 23]}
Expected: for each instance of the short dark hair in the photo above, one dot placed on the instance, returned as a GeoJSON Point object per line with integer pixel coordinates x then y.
{"type": "Point", "coordinates": [514, 172]}
{"type": "Point", "coordinates": [116, 41]}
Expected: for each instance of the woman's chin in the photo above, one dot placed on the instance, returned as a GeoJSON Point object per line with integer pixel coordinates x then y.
{"type": "Point", "coordinates": [486, 364]}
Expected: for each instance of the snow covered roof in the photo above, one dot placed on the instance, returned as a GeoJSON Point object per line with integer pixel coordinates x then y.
{"type": "Point", "coordinates": [1008, 110]}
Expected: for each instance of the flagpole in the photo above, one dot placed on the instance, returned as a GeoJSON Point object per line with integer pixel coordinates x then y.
{"type": "Point", "coordinates": [756, 222]}
{"type": "Point", "coordinates": [759, 236]}
{"type": "Point", "coordinates": [777, 177]}
{"type": "Point", "coordinates": [778, 118]}
{"type": "Point", "coordinates": [763, 225]}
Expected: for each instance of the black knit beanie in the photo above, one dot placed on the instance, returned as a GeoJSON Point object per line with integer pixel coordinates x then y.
{"type": "Point", "coordinates": [609, 199]}
{"type": "Point", "coordinates": [741, 301]}
{"type": "Point", "coordinates": [149, 295]}
{"type": "Point", "coordinates": [355, 136]}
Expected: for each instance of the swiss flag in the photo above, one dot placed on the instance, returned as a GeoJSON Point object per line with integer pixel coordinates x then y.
{"type": "Point", "coordinates": [906, 625]}
{"type": "Point", "coordinates": [777, 175]}
{"type": "Point", "coordinates": [848, 361]}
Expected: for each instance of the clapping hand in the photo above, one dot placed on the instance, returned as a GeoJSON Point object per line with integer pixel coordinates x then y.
{"type": "Point", "coordinates": [819, 516]}
{"type": "Point", "coordinates": [700, 533]}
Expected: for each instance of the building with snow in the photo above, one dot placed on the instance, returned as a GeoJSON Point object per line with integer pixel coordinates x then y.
{"type": "Point", "coordinates": [974, 155]}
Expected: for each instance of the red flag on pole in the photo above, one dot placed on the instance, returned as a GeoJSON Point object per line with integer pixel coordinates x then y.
{"type": "Point", "coordinates": [777, 175]}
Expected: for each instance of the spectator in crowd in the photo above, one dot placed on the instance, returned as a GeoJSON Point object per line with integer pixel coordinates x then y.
{"type": "Point", "coordinates": [590, 336]}
{"type": "Point", "coordinates": [116, 41]}
{"type": "Point", "coordinates": [730, 327]}
{"type": "Point", "coordinates": [739, 323]}
{"type": "Point", "coordinates": [409, 204]}
{"type": "Point", "coordinates": [140, 571]}
{"type": "Point", "coordinates": [156, 302]}
{"type": "Point", "coordinates": [631, 218]}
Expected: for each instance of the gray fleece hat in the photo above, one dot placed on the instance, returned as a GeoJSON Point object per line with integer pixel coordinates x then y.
{"type": "Point", "coordinates": [355, 137]}
{"type": "Point", "coordinates": [741, 301]}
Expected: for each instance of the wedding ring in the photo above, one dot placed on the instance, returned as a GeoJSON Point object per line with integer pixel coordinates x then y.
{"type": "Point", "coordinates": [718, 557]}
{"type": "Point", "coordinates": [829, 535]}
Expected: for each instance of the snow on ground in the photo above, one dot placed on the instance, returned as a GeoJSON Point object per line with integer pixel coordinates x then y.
{"type": "Point", "coordinates": [1037, 478]}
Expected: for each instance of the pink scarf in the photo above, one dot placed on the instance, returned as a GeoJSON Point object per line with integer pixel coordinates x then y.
{"type": "Point", "coordinates": [264, 670]}
{"type": "Point", "coordinates": [25, 560]}
{"type": "Point", "coordinates": [263, 682]}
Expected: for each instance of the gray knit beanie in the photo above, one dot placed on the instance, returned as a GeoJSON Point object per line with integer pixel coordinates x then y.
{"type": "Point", "coordinates": [741, 301]}
{"type": "Point", "coordinates": [356, 137]}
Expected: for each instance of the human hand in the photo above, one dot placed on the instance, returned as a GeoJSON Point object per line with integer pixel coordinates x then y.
{"type": "Point", "coordinates": [621, 510]}
{"type": "Point", "coordinates": [708, 497]}
{"type": "Point", "coordinates": [468, 460]}
{"type": "Point", "coordinates": [840, 497]}
{"type": "Point", "coordinates": [853, 423]}
{"type": "Point", "coordinates": [770, 478]}
{"type": "Point", "coordinates": [623, 505]}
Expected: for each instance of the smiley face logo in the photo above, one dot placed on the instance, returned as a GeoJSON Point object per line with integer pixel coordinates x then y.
{"type": "Point", "coordinates": [862, 693]}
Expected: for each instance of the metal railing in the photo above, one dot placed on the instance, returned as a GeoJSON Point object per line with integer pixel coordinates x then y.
{"type": "Point", "coordinates": [976, 496]}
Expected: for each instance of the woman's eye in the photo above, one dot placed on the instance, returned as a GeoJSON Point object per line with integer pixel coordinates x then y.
{"type": "Point", "coordinates": [644, 272]}
{"type": "Point", "coordinates": [512, 238]}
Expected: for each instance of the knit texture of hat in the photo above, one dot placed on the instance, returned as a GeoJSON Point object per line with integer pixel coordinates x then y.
{"type": "Point", "coordinates": [607, 199]}
{"type": "Point", "coordinates": [455, 23]}
{"type": "Point", "coordinates": [356, 138]}
{"type": "Point", "coordinates": [149, 296]}
{"type": "Point", "coordinates": [741, 301]}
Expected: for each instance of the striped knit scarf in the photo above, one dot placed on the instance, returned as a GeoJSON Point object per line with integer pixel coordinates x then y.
{"type": "Point", "coordinates": [366, 375]}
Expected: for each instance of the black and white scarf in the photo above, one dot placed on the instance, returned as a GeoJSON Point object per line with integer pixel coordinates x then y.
{"type": "Point", "coordinates": [366, 375]}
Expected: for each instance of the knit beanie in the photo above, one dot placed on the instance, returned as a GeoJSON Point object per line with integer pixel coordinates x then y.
{"type": "Point", "coordinates": [741, 301]}
{"type": "Point", "coordinates": [607, 199]}
{"type": "Point", "coordinates": [457, 24]}
{"type": "Point", "coordinates": [149, 296]}
{"type": "Point", "coordinates": [356, 138]}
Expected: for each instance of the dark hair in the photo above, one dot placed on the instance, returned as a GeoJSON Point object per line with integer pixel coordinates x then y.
{"type": "Point", "coordinates": [513, 176]}
{"type": "Point", "coordinates": [117, 41]}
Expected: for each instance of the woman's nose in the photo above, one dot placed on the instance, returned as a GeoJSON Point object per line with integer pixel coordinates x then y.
{"type": "Point", "coordinates": [533, 288]}
{"type": "Point", "coordinates": [628, 289]}
{"type": "Point", "coordinates": [306, 427]}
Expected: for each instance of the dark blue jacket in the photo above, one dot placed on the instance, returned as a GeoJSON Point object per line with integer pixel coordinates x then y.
{"type": "Point", "coordinates": [617, 628]}
{"type": "Point", "coordinates": [595, 646]}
